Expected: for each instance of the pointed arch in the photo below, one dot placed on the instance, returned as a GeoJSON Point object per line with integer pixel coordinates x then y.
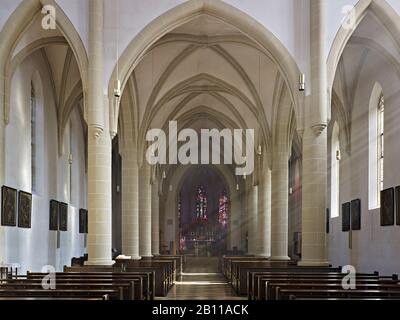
{"type": "Point", "coordinates": [189, 11]}
{"type": "Point", "coordinates": [382, 10]}
{"type": "Point", "coordinates": [17, 24]}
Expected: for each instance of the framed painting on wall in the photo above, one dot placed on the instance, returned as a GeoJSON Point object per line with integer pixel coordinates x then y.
{"type": "Point", "coordinates": [54, 209]}
{"type": "Point", "coordinates": [63, 216]}
{"type": "Point", "coordinates": [328, 216]}
{"type": "Point", "coordinates": [24, 209]}
{"type": "Point", "coordinates": [356, 214]}
{"type": "Point", "coordinates": [346, 207]}
{"type": "Point", "coordinates": [8, 206]}
{"type": "Point", "coordinates": [387, 207]}
{"type": "Point", "coordinates": [398, 205]}
{"type": "Point", "coordinates": [83, 221]}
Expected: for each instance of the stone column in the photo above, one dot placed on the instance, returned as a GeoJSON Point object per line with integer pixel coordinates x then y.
{"type": "Point", "coordinates": [252, 208]}
{"type": "Point", "coordinates": [280, 204]}
{"type": "Point", "coordinates": [315, 147]}
{"type": "Point", "coordinates": [264, 215]}
{"type": "Point", "coordinates": [145, 211]}
{"type": "Point", "coordinates": [130, 203]}
{"type": "Point", "coordinates": [155, 219]}
{"type": "Point", "coordinates": [235, 222]}
{"type": "Point", "coordinates": [99, 147]}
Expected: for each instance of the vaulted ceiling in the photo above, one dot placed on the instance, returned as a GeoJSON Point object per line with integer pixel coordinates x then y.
{"type": "Point", "coordinates": [371, 45]}
{"type": "Point", "coordinates": [62, 69]}
{"type": "Point", "coordinates": [205, 74]}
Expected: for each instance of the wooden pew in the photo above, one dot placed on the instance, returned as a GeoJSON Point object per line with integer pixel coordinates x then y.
{"type": "Point", "coordinates": [164, 270]}
{"type": "Point", "coordinates": [180, 261]}
{"type": "Point", "coordinates": [153, 281]}
{"type": "Point", "coordinates": [257, 280]}
{"type": "Point", "coordinates": [126, 287]}
{"type": "Point", "coordinates": [14, 298]}
{"type": "Point", "coordinates": [275, 292]}
{"type": "Point", "coordinates": [241, 270]}
{"type": "Point", "coordinates": [144, 281]}
{"type": "Point", "coordinates": [112, 294]}
{"type": "Point", "coordinates": [292, 294]}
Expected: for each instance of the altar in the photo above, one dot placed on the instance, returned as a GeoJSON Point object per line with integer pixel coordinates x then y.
{"type": "Point", "coordinates": [201, 248]}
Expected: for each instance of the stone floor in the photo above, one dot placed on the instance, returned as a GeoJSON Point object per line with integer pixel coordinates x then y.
{"type": "Point", "coordinates": [201, 280]}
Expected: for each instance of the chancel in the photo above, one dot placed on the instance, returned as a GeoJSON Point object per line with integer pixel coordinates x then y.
{"type": "Point", "coordinates": [199, 149]}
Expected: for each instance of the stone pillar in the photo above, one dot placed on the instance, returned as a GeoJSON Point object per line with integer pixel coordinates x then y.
{"type": "Point", "coordinates": [280, 204]}
{"type": "Point", "coordinates": [264, 215]}
{"type": "Point", "coordinates": [235, 222]}
{"type": "Point", "coordinates": [99, 147]}
{"type": "Point", "coordinates": [130, 203]}
{"type": "Point", "coordinates": [315, 147]}
{"type": "Point", "coordinates": [145, 211]}
{"type": "Point", "coordinates": [155, 219]}
{"type": "Point", "coordinates": [252, 209]}
{"type": "Point", "coordinates": [244, 217]}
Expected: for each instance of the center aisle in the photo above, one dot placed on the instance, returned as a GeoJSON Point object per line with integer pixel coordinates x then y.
{"type": "Point", "coordinates": [202, 280]}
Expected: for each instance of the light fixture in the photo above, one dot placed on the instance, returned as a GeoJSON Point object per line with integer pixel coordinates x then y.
{"type": "Point", "coordinates": [290, 190]}
{"type": "Point", "coordinates": [117, 89]}
{"type": "Point", "coordinates": [338, 155]}
{"type": "Point", "coordinates": [237, 187]}
{"type": "Point", "coordinates": [302, 82]}
{"type": "Point", "coordinates": [259, 150]}
{"type": "Point", "coordinates": [164, 175]}
{"type": "Point", "coordinates": [70, 158]}
{"type": "Point", "coordinates": [244, 176]}
{"type": "Point", "coordinates": [117, 83]}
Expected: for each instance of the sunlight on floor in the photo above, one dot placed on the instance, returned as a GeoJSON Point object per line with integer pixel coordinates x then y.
{"type": "Point", "coordinates": [200, 283]}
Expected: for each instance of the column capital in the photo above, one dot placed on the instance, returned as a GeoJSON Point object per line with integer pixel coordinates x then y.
{"type": "Point", "coordinates": [95, 131]}
{"type": "Point", "coordinates": [319, 128]}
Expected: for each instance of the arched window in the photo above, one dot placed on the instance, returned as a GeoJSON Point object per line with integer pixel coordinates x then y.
{"type": "Point", "coordinates": [33, 138]}
{"type": "Point", "coordinates": [335, 171]}
{"type": "Point", "coordinates": [70, 159]}
{"type": "Point", "coordinates": [201, 204]}
{"type": "Point", "coordinates": [223, 209]}
{"type": "Point", "coordinates": [381, 142]}
{"type": "Point", "coordinates": [376, 146]}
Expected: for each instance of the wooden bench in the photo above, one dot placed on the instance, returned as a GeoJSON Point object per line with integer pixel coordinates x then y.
{"type": "Point", "coordinates": [153, 283]}
{"type": "Point", "coordinates": [106, 294]}
{"type": "Point", "coordinates": [126, 287]}
{"type": "Point", "coordinates": [256, 280]}
{"type": "Point", "coordinates": [292, 294]}
{"type": "Point", "coordinates": [241, 271]}
{"type": "Point", "coordinates": [275, 289]}
{"type": "Point", "coordinates": [144, 282]}
{"type": "Point", "coordinates": [164, 270]}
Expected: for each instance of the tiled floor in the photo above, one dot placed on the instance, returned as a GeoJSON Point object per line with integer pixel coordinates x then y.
{"type": "Point", "coordinates": [201, 280]}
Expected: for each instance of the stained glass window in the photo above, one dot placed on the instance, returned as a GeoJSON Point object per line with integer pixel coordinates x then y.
{"type": "Point", "coordinates": [182, 238]}
{"type": "Point", "coordinates": [33, 137]}
{"type": "Point", "coordinates": [179, 211]}
{"type": "Point", "coordinates": [223, 209]}
{"type": "Point", "coordinates": [201, 204]}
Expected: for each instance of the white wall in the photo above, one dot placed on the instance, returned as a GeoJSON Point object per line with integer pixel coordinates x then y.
{"type": "Point", "coordinates": [282, 18]}
{"type": "Point", "coordinates": [374, 247]}
{"type": "Point", "coordinates": [7, 7]}
{"type": "Point", "coordinates": [36, 247]}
